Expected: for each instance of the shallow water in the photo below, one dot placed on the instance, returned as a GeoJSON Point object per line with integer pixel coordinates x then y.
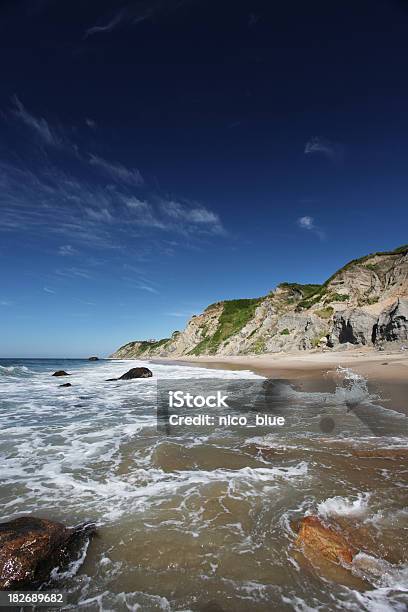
{"type": "Point", "coordinates": [203, 517]}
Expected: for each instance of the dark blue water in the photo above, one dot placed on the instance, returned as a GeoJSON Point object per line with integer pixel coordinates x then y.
{"type": "Point", "coordinates": [45, 365]}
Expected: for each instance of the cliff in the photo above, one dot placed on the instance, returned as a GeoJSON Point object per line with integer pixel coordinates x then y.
{"type": "Point", "coordinates": [365, 302]}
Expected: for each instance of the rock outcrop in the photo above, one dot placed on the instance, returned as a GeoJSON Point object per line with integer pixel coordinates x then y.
{"type": "Point", "coordinates": [30, 548]}
{"type": "Point", "coordinates": [316, 537]}
{"type": "Point", "coordinates": [93, 358]}
{"type": "Point", "coordinates": [392, 323]}
{"type": "Point", "coordinates": [134, 373]}
{"type": "Point", "coordinates": [354, 326]}
{"type": "Point", "coordinates": [61, 373]}
{"type": "Point", "coordinates": [364, 303]}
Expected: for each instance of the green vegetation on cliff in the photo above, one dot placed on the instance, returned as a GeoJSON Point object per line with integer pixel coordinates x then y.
{"type": "Point", "coordinates": [147, 345]}
{"type": "Point", "coordinates": [325, 313]}
{"type": "Point", "coordinates": [306, 290]}
{"type": "Point", "coordinates": [235, 315]}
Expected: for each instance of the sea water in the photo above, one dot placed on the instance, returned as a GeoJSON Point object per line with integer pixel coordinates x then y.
{"type": "Point", "coordinates": [204, 518]}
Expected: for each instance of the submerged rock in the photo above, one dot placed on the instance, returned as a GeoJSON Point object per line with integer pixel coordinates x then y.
{"type": "Point", "coordinates": [93, 358]}
{"type": "Point", "coordinates": [134, 373]}
{"type": "Point", "coordinates": [61, 373]}
{"type": "Point", "coordinates": [65, 385]}
{"type": "Point", "coordinates": [30, 548]}
{"type": "Point", "coordinates": [319, 539]}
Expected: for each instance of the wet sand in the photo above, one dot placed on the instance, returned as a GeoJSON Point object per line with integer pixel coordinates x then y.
{"type": "Point", "coordinates": [385, 371]}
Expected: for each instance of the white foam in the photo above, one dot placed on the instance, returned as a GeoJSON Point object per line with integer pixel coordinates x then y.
{"type": "Point", "coordinates": [344, 506]}
{"type": "Point", "coordinates": [14, 371]}
{"type": "Point", "coordinates": [381, 573]}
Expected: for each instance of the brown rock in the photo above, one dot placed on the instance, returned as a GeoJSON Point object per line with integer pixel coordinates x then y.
{"type": "Point", "coordinates": [31, 547]}
{"type": "Point", "coordinates": [61, 373]}
{"type": "Point", "coordinates": [65, 385]}
{"type": "Point", "coordinates": [325, 541]}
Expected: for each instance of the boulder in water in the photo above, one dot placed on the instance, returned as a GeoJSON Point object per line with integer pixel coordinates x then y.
{"type": "Point", "coordinates": [93, 358]}
{"type": "Point", "coordinates": [324, 541]}
{"type": "Point", "coordinates": [61, 373]}
{"type": "Point", "coordinates": [65, 385]}
{"type": "Point", "coordinates": [30, 548]}
{"type": "Point", "coordinates": [134, 373]}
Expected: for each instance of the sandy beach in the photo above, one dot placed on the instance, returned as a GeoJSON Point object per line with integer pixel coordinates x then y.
{"type": "Point", "coordinates": [385, 371]}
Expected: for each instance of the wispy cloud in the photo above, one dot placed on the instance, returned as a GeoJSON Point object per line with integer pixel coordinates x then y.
{"type": "Point", "coordinates": [66, 250]}
{"type": "Point", "coordinates": [117, 172]}
{"type": "Point", "coordinates": [199, 217]}
{"type": "Point", "coordinates": [134, 13]}
{"type": "Point", "coordinates": [73, 273]}
{"type": "Point", "coordinates": [142, 212]}
{"type": "Point", "coordinates": [51, 201]}
{"type": "Point", "coordinates": [39, 125]}
{"type": "Point", "coordinates": [106, 27]}
{"type": "Point", "coordinates": [331, 150]}
{"type": "Point", "coordinates": [308, 223]}
{"type": "Point", "coordinates": [143, 287]}
{"type": "Point", "coordinates": [90, 123]}
{"type": "Point", "coordinates": [44, 195]}
{"type": "Point", "coordinates": [99, 214]}
{"type": "Point", "coordinates": [6, 303]}
{"type": "Point", "coordinates": [179, 314]}
{"type": "Point", "coordinates": [48, 290]}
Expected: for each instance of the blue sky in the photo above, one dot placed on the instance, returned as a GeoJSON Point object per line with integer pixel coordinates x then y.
{"type": "Point", "coordinates": [157, 157]}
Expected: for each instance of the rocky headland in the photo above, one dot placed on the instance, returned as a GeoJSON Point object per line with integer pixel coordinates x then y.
{"type": "Point", "coordinates": [365, 303]}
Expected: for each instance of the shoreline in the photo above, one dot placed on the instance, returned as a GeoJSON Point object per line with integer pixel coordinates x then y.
{"type": "Point", "coordinates": [386, 372]}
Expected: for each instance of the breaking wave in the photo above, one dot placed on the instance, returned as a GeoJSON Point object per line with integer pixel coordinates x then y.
{"type": "Point", "coordinates": [15, 371]}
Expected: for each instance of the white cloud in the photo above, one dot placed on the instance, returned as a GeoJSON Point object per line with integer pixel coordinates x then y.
{"type": "Point", "coordinates": [101, 214]}
{"type": "Point", "coordinates": [73, 273]}
{"type": "Point", "coordinates": [90, 123]}
{"type": "Point", "coordinates": [130, 15]}
{"type": "Point", "coordinates": [331, 150]}
{"type": "Point", "coordinates": [47, 290]}
{"type": "Point", "coordinates": [66, 250]}
{"type": "Point", "coordinates": [306, 222]}
{"type": "Point", "coordinates": [193, 216]}
{"type": "Point", "coordinates": [5, 303]}
{"type": "Point", "coordinates": [142, 212]}
{"type": "Point", "coordinates": [116, 171]}
{"type": "Point", "coordinates": [147, 288]}
{"type": "Point", "coordinates": [40, 126]}
{"type": "Point", "coordinates": [107, 27]}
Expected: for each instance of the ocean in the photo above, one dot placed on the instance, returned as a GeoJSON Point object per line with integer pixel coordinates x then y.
{"type": "Point", "coordinates": [203, 519]}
